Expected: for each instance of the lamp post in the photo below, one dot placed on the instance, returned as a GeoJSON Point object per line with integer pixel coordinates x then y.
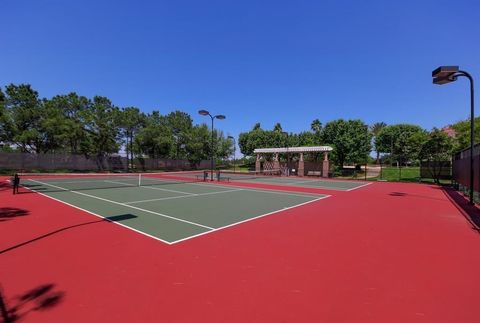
{"type": "Point", "coordinates": [219, 117]}
{"type": "Point", "coordinates": [288, 154]}
{"type": "Point", "coordinates": [234, 150]}
{"type": "Point", "coordinates": [447, 74]}
{"type": "Point", "coordinates": [370, 143]}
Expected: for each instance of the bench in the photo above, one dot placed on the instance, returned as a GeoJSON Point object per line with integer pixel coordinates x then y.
{"type": "Point", "coordinates": [271, 171]}
{"type": "Point", "coordinates": [314, 173]}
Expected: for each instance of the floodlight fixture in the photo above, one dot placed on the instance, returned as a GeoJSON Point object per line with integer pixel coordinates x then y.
{"type": "Point", "coordinates": [445, 71]}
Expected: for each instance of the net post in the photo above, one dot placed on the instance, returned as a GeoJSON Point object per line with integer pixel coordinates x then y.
{"type": "Point", "coordinates": [140, 179]}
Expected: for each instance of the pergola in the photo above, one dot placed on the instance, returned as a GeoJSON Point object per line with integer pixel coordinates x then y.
{"type": "Point", "coordinates": [293, 150]}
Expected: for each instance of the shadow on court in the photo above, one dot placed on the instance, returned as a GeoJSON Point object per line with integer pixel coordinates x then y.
{"type": "Point", "coordinates": [115, 218]}
{"type": "Point", "coordinates": [8, 213]}
{"type": "Point", "coordinates": [471, 212]}
{"type": "Point", "coordinates": [41, 298]}
{"type": "Point", "coordinates": [402, 194]}
{"type": "Point", "coordinates": [4, 186]}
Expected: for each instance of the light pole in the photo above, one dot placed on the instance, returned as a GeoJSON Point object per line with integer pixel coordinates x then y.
{"type": "Point", "coordinates": [288, 154]}
{"type": "Point", "coordinates": [370, 145]}
{"type": "Point", "coordinates": [219, 117]}
{"type": "Point", "coordinates": [447, 74]}
{"type": "Point", "coordinates": [234, 150]}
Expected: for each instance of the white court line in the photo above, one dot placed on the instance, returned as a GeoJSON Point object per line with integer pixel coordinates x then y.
{"type": "Point", "coordinates": [165, 189]}
{"type": "Point", "coordinates": [115, 182]}
{"type": "Point", "coordinates": [153, 188]}
{"type": "Point", "coordinates": [311, 186]}
{"type": "Point", "coordinates": [97, 215]}
{"type": "Point", "coordinates": [369, 183]}
{"type": "Point", "coordinates": [130, 206]}
{"type": "Point", "coordinates": [249, 219]}
{"type": "Point", "coordinates": [74, 182]}
{"type": "Point", "coordinates": [264, 190]}
{"type": "Point", "coordinates": [185, 196]}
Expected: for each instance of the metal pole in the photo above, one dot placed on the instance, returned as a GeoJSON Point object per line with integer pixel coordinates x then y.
{"type": "Point", "coordinates": [381, 169]}
{"type": "Point", "coordinates": [234, 153]}
{"type": "Point", "coordinates": [472, 129]}
{"type": "Point", "coordinates": [211, 161]}
{"type": "Point", "coordinates": [472, 134]}
{"type": "Point", "coordinates": [288, 157]}
{"type": "Point", "coordinates": [366, 161]}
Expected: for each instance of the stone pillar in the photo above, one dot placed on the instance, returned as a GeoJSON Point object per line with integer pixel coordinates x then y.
{"type": "Point", "coordinates": [258, 164]}
{"type": "Point", "coordinates": [326, 165]}
{"type": "Point", "coordinates": [301, 166]}
{"type": "Point", "coordinates": [276, 162]}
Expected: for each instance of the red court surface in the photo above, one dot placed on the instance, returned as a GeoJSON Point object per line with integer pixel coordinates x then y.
{"type": "Point", "coordinates": [388, 252]}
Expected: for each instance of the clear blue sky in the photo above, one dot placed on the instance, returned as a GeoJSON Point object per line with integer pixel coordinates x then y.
{"type": "Point", "coordinates": [254, 61]}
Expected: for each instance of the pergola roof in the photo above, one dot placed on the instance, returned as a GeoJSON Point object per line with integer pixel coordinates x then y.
{"type": "Point", "coordinates": [293, 149]}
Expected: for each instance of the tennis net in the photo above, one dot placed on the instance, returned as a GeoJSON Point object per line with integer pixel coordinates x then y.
{"type": "Point", "coordinates": [52, 182]}
{"type": "Point", "coordinates": [226, 175]}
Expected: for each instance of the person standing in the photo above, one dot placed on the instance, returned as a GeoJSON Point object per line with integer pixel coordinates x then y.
{"type": "Point", "coordinates": [16, 183]}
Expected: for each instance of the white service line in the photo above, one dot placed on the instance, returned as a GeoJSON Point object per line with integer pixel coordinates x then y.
{"type": "Point", "coordinates": [250, 219]}
{"type": "Point", "coordinates": [354, 188]}
{"type": "Point", "coordinates": [98, 215]}
{"type": "Point", "coordinates": [115, 182]}
{"type": "Point", "coordinates": [153, 188]}
{"type": "Point", "coordinates": [181, 197]}
{"type": "Point", "coordinates": [126, 205]}
{"type": "Point", "coordinates": [164, 189]}
{"type": "Point", "coordinates": [312, 186]}
{"type": "Point", "coordinates": [263, 190]}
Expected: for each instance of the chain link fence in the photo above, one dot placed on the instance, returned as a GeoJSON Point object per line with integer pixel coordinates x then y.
{"type": "Point", "coordinates": [27, 162]}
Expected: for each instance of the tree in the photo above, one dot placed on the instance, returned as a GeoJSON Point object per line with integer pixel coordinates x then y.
{"type": "Point", "coordinates": [3, 117]}
{"type": "Point", "coordinates": [198, 145]}
{"type": "Point", "coordinates": [436, 150]}
{"type": "Point", "coordinates": [316, 127]}
{"type": "Point", "coordinates": [278, 127]}
{"type": "Point", "coordinates": [350, 140]}
{"type": "Point", "coordinates": [22, 117]}
{"type": "Point", "coordinates": [155, 138]}
{"type": "Point", "coordinates": [180, 124]}
{"type": "Point", "coordinates": [462, 137]}
{"type": "Point", "coordinates": [64, 122]}
{"type": "Point", "coordinates": [375, 130]}
{"type": "Point", "coordinates": [249, 141]}
{"type": "Point", "coordinates": [306, 138]}
{"type": "Point", "coordinates": [402, 142]}
{"type": "Point", "coordinates": [131, 121]}
{"type": "Point", "coordinates": [224, 146]}
{"type": "Point", "coordinates": [102, 125]}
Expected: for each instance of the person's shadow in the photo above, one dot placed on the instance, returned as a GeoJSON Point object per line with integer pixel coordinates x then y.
{"type": "Point", "coordinates": [8, 213]}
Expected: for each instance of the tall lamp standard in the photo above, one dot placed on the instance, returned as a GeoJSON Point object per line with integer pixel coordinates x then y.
{"type": "Point", "coordinates": [447, 74]}
{"type": "Point", "coordinates": [288, 154]}
{"type": "Point", "coordinates": [219, 117]}
{"type": "Point", "coordinates": [234, 150]}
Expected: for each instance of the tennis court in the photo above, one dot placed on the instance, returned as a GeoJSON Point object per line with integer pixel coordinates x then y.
{"type": "Point", "coordinates": [167, 207]}
{"type": "Point", "coordinates": [314, 182]}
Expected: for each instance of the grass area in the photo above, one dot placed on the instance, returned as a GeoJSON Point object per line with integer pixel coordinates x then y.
{"type": "Point", "coordinates": [240, 168]}
{"type": "Point", "coordinates": [405, 174]}
{"type": "Point", "coordinates": [408, 174]}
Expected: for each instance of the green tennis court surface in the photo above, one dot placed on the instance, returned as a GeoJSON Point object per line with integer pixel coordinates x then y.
{"type": "Point", "coordinates": [338, 185]}
{"type": "Point", "coordinates": [168, 211]}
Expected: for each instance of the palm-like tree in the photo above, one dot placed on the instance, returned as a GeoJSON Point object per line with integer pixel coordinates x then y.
{"type": "Point", "coordinates": [375, 130]}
